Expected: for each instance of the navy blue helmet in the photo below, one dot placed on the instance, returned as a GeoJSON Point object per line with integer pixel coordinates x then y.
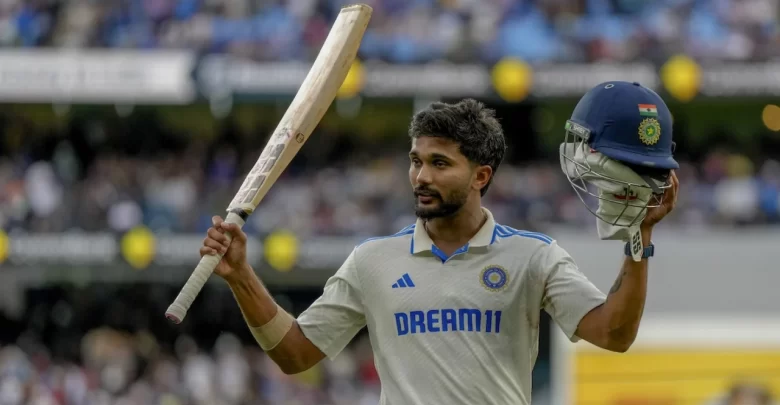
{"type": "Point", "coordinates": [618, 154]}
{"type": "Point", "coordinates": [627, 122]}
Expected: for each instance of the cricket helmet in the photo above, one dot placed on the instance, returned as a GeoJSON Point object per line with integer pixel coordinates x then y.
{"type": "Point", "coordinates": [618, 154]}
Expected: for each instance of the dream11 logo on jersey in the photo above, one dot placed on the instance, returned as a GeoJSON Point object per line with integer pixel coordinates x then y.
{"type": "Point", "coordinates": [447, 320]}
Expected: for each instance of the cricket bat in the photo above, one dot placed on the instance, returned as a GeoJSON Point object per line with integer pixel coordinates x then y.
{"type": "Point", "coordinates": [313, 99]}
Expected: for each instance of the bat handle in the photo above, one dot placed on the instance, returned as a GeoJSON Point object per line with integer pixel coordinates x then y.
{"type": "Point", "coordinates": [178, 309]}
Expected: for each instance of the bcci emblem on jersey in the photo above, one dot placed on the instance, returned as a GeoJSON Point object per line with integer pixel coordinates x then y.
{"type": "Point", "coordinates": [494, 278]}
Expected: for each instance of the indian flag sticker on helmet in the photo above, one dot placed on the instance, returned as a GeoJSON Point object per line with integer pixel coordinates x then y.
{"type": "Point", "coordinates": [648, 110]}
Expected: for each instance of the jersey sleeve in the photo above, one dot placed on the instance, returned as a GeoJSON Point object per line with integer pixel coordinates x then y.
{"type": "Point", "coordinates": [338, 314]}
{"type": "Point", "coordinates": [568, 294]}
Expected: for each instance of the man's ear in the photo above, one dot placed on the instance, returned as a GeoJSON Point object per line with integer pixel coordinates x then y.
{"type": "Point", "coordinates": [482, 175]}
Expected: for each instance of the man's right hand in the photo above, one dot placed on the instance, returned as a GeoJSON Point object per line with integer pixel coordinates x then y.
{"type": "Point", "coordinates": [295, 353]}
{"type": "Point", "coordinates": [233, 261]}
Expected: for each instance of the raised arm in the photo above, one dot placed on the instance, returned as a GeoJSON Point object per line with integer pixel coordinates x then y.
{"type": "Point", "coordinates": [614, 325]}
{"type": "Point", "coordinates": [276, 331]}
{"type": "Point", "coordinates": [295, 345]}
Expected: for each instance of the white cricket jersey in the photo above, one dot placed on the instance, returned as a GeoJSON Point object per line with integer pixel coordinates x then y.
{"type": "Point", "coordinates": [451, 330]}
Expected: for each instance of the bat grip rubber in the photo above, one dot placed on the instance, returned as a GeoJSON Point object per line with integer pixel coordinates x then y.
{"type": "Point", "coordinates": [178, 309]}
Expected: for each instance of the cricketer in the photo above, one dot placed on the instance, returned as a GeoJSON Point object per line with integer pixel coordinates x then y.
{"type": "Point", "coordinates": [452, 302]}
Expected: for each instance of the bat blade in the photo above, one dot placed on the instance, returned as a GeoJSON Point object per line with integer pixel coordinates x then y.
{"type": "Point", "coordinates": [309, 105]}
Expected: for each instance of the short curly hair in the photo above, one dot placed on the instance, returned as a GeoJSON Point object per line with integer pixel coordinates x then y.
{"type": "Point", "coordinates": [471, 125]}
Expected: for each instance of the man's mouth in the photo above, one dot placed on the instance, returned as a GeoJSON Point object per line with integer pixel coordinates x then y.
{"type": "Point", "coordinates": [425, 197]}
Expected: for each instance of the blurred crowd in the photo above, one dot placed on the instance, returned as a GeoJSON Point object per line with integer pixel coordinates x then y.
{"type": "Point", "coordinates": [173, 194]}
{"type": "Point", "coordinates": [56, 187]}
{"type": "Point", "coordinates": [409, 31]}
{"type": "Point", "coordinates": [118, 368]}
{"type": "Point", "coordinates": [101, 345]}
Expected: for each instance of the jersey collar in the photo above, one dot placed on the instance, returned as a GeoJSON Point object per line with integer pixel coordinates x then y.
{"type": "Point", "coordinates": [421, 242]}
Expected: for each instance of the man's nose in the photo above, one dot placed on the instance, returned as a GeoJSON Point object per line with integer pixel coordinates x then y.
{"type": "Point", "coordinates": [424, 175]}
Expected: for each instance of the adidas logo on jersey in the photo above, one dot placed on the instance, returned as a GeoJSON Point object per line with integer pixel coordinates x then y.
{"type": "Point", "coordinates": [404, 282]}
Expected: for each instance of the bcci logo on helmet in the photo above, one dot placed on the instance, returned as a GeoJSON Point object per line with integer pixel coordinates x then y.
{"type": "Point", "coordinates": [649, 131]}
{"type": "Point", "coordinates": [494, 278]}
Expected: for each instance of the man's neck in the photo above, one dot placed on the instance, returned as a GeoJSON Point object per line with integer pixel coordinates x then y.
{"type": "Point", "coordinates": [456, 229]}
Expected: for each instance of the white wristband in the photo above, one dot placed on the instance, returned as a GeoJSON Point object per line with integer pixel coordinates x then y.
{"type": "Point", "coordinates": [269, 335]}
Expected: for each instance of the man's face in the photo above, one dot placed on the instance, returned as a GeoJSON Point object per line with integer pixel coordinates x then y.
{"type": "Point", "coordinates": [441, 177]}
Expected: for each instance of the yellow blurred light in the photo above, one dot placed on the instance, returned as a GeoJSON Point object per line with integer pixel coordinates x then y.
{"type": "Point", "coordinates": [512, 79]}
{"type": "Point", "coordinates": [739, 166]}
{"type": "Point", "coordinates": [353, 82]}
{"type": "Point", "coordinates": [771, 117]}
{"type": "Point", "coordinates": [169, 399]}
{"type": "Point", "coordinates": [681, 77]}
{"type": "Point", "coordinates": [5, 246]}
{"type": "Point", "coordinates": [138, 247]}
{"type": "Point", "coordinates": [281, 250]}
